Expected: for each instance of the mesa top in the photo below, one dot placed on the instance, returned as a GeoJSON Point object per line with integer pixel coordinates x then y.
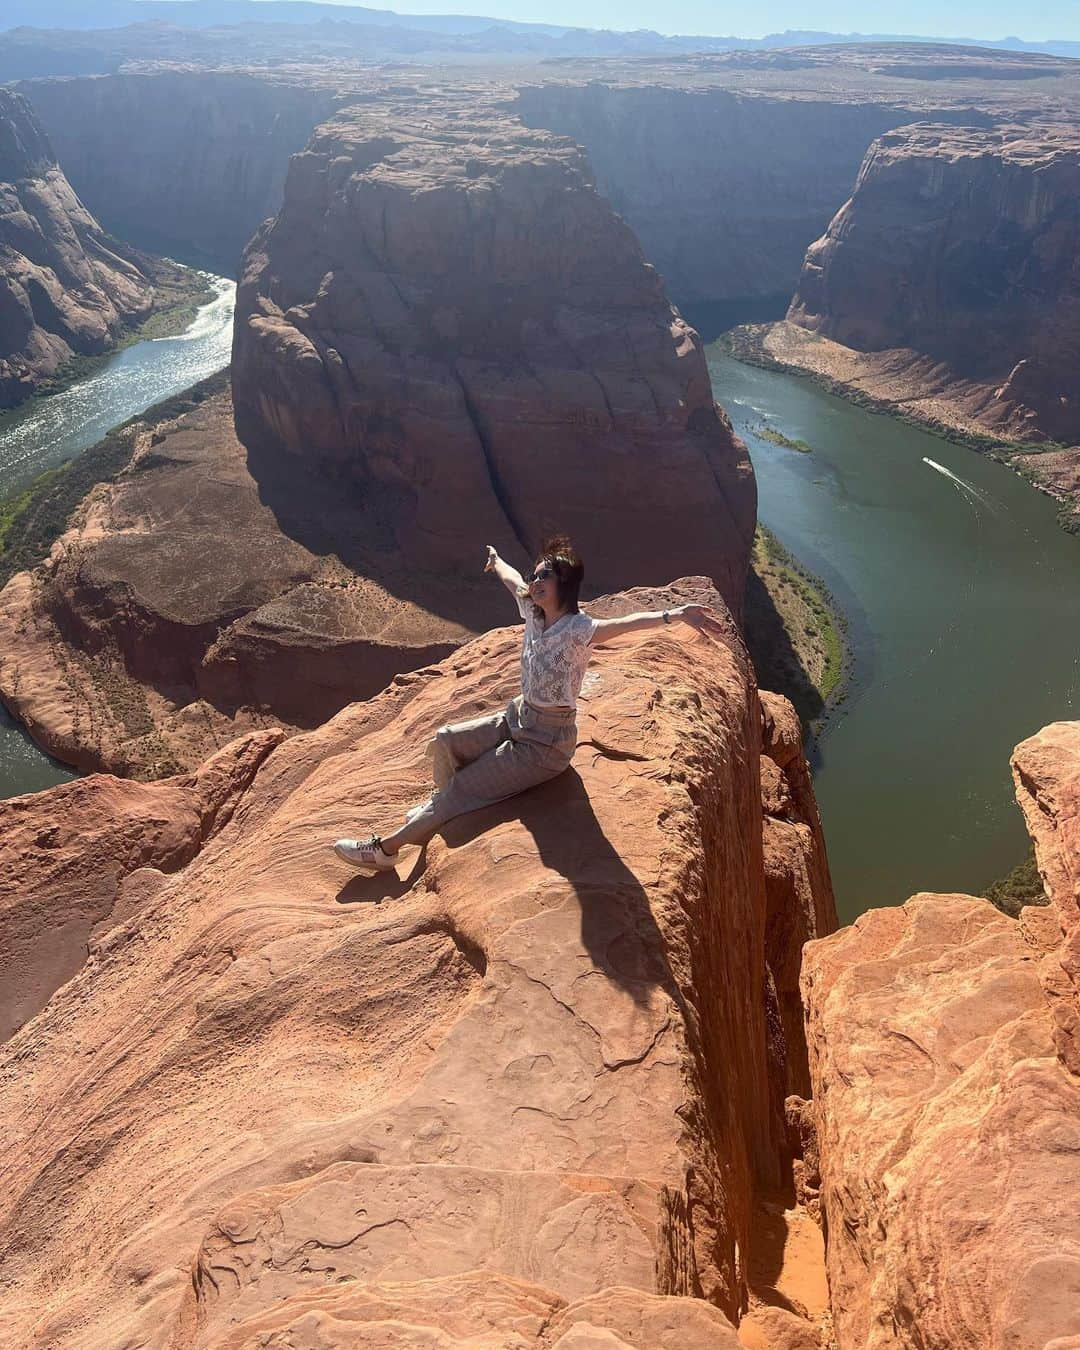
{"type": "Point", "coordinates": [553, 660]}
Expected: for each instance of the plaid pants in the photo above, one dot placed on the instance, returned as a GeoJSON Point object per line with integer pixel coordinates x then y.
{"type": "Point", "coordinates": [490, 758]}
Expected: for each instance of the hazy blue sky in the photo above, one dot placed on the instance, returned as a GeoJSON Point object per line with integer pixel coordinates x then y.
{"type": "Point", "coordinates": [957, 18]}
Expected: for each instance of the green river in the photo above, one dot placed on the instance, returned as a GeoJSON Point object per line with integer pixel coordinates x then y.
{"type": "Point", "coordinates": [963, 600]}
{"type": "Point", "coordinates": [962, 596]}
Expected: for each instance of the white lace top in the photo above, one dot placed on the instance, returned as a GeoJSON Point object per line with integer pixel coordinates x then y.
{"type": "Point", "coordinates": [553, 660]}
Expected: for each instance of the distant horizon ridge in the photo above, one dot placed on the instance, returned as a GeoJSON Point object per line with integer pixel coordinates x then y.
{"type": "Point", "coordinates": [107, 14]}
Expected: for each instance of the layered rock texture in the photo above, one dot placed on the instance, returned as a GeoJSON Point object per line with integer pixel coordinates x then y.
{"type": "Point", "coordinates": [723, 189]}
{"type": "Point", "coordinates": [178, 609]}
{"type": "Point", "coordinates": [446, 339]}
{"type": "Point", "coordinates": [727, 167]}
{"type": "Point", "coordinates": [64, 287]}
{"type": "Point", "coordinates": [181, 159]}
{"type": "Point", "coordinates": [447, 317]}
{"type": "Point", "coordinates": [943, 1050]}
{"type": "Point", "coordinates": [526, 1091]}
{"type": "Point", "coordinates": [949, 285]}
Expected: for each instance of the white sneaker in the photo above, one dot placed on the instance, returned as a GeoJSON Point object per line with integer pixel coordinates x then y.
{"type": "Point", "coordinates": [365, 854]}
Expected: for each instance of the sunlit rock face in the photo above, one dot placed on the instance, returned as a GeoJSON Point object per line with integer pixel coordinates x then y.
{"type": "Point", "coordinates": [65, 288]}
{"type": "Point", "coordinates": [943, 1055]}
{"type": "Point", "coordinates": [526, 1091]}
{"type": "Point", "coordinates": [447, 316]}
{"type": "Point", "coordinates": [959, 250]}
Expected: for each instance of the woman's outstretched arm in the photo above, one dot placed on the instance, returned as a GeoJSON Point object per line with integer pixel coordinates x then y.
{"type": "Point", "coordinates": [509, 576]}
{"type": "Point", "coordinates": [697, 616]}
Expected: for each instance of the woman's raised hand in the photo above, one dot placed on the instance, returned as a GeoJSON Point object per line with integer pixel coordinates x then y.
{"type": "Point", "coordinates": [492, 556]}
{"type": "Point", "coordinates": [700, 617]}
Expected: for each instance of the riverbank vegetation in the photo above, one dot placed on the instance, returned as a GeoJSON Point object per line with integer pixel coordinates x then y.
{"type": "Point", "coordinates": [1022, 886]}
{"type": "Point", "coordinates": [33, 519]}
{"type": "Point", "coordinates": [774, 437]}
{"type": "Point", "coordinates": [794, 630]}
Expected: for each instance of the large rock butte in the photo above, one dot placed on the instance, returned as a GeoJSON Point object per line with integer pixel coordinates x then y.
{"type": "Point", "coordinates": [449, 318]}
{"type": "Point", "coordinates": [524, 1092]}
{"type": "Point", "coordinates": [65, 289]}
{"type": "Point", "coordinates": [946, 1077]}
{"type": "Point", "coordinates": [446, 339]}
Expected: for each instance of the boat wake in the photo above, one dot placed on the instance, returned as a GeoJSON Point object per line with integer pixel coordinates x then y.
{"type": "Point", "coordinates": [962, 486]}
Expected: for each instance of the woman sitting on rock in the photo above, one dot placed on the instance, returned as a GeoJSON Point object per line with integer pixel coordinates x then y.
{"type": "Point", "coordinates": [490, 758]}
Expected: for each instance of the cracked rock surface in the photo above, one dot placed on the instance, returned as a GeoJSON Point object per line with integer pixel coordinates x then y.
{"type": "Point", "coordinates": [942, 1040]}
{"type": "Point", "coordinates": [523, 1092]}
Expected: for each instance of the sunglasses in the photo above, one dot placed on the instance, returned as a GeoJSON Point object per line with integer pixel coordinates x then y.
{"type": "Point", "coordinates": [541, 574]}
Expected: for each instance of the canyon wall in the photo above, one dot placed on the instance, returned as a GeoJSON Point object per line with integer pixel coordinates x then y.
{"type": "Point", "coordinates": [445, 339]}
{"type": "Point", "coordinates": [727, 168]}
{"type": "Point", "coordinates": [528, 1089]}
{"type": "Point", "coordinates": [183, 160]}
{"type": "Point", "coordinates": [956, 265]}
{"type": "Point", "coordinates": [946, 1079]}
{"type": "Point", "coordinates": [65, 288]}
{"type": "Point", "coordinates": [120, 652]}
{"type": "Point", "coordinates": [725, 190]}
{"type": "Point", "coordinates": [448, 318]}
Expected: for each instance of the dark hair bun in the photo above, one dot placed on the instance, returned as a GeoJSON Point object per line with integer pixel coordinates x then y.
{"type": "Point", "coordinates": [567, 565]}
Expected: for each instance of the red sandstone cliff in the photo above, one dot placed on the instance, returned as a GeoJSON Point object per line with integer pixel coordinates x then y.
{"type": "Point", "coordinates": [175, 612]}
{"type": "Point", "coordinates": [447, 317]}
{"type": "Point", "coordinates": [951, 283]}
{"type": "Point", "coordinates": [963, 245]}
{"type": "Point", "coordinates": [445, 339]}
{"type": "Point", "coordinates": [724, 188]}
{"type": "Point", "coordinates": [63, 287]}
{"type": "Point", "coordinates": [513, 1093]}
{"type": "Point", "coordinates": [943, 1052]}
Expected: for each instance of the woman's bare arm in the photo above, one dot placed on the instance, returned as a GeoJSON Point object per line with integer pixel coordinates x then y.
{"type": "Point", "coordinates": [509, 576]}
{"type": "Point", "coordinates": [697, 616]}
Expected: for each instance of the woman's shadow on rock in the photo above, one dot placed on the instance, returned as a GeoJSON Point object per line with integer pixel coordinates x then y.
{"type": "Point", "coordinates": [618, 929]}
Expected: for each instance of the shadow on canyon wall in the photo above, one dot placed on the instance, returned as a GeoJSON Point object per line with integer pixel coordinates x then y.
{"type": "Point", "coordinates": [332, 513]}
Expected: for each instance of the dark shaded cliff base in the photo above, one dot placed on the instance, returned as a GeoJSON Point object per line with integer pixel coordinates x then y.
{"type": "Point", "coordinates": [917, 390]}
{"type": "Point", "coordinates": [1021, 886]}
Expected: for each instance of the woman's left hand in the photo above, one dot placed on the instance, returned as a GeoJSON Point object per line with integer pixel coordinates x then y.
{"type": "Point", "coordinates": [700, 617]}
